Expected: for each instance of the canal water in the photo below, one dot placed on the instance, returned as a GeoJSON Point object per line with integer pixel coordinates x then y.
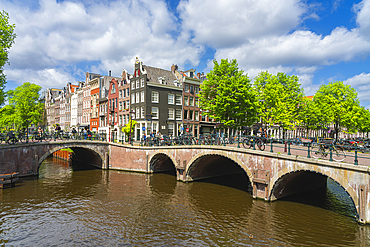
{"type": "Point", "coordinates": [66, 207]}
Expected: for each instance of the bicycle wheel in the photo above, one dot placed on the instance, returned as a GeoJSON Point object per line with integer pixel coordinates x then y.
{"type": "Point", "coordinates": [338, 155]}
{"type": "Point", "coordinates": [260, 145]}
{"type": "Point", "coordinates": [247, 143]}
{"type": "Point", "coordinates": [316, 152]}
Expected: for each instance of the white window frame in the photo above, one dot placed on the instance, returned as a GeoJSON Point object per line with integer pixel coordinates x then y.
{"type": "Point", "coordinates": [171, 113]}
{"type": "Point", "coordinates": [137, 113]}
{"type": "Point", "coordinates": [178, 114]}
{"type": "Point", "coordinates": [191, 101]}
{"type": "Point", "coordinates": [137, 97]}
{"type": "Point", "coordinates": [155, 113]}
{"type": "Point", "coordinates": [133, 98]}
{"type": "Point", "coordinates": [178, 97]}
{"type": "Point", "coordinates": [171, 99]}
{"type": "Point", "coordinates": [155, 97]}
{"type": "Point", "coordinates": [142, 96]}
{"type": "Point", "coordinates": [142, 82]}
{"type": "Point", "coordinates": [133, 85]}
{"type": "Point", "coordinates": [186, 101]}
{"type": "Point", "coordinates": [142, 112]}
{"type": "Point", "coordinates": [137, 84]}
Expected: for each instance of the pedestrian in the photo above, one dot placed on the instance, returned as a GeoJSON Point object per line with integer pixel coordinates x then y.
{"type": "Point", "coordinates": [39, 131]}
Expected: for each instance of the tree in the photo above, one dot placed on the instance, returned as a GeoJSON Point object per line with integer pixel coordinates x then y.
{"type": "Point", "coordinates": [340, 104]}
{"type": "Point", "coordinates": [281, 99]}
{"type": "Point", "coordinates": [227, 96]}
{"type": "Point", "coordinates": [27, 107]}
{"type": "Point", "coordinates": [7, 37]}
{"type": "Point", "coordinates": [131, 124]}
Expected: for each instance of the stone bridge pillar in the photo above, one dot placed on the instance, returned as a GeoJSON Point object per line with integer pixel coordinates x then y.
{"type": "Point", "coordinates": [261, 183]}
{"type": "Point", "coordinates": [181, 170]}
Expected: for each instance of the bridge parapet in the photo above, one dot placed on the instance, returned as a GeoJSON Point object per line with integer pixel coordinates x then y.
{"type": "Point", "coordinates": [269, 173]}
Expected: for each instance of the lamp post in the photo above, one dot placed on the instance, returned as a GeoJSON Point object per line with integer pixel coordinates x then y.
{"type": "Point", "coordinates": [131, 112]}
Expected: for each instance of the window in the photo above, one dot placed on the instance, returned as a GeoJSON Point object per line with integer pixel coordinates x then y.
{"type": "Point", "coordinates": [186, 88]}
{"type": "Point", "coordinates": [142, 82]}
{"type": "Point", "coordinates": [191, 89]}
{"type": "Point", "coordinates": [155, 113]}
{"type": "Point", "coordinates": [155, 97]}
{"type": "Point", "coordinates": [204, 118]}
{"type": "Point", "coordinates": [137, 97]}
{"type": "Point", "coordinates": [128, 92]}
{"type": "Point", "coordinates": [170, 128]}
{"type": "Point", "coordinates": [137, 83]}
{"type": "Point", "coordinates": [142, 96]}
{"type": "Point", "coordinates": [185, 114]}
{"type": "Point", "coordinates": [191, 101]}
{"type": "Point", "coordinates": [120, 94]}
{"type": "Point", "coordinates": [124, 105]}
{"type": "Point", "coordinates": [196, 90]}
{"type": "Point", "coordinates": [133, 85]}
{"type": "Point", "coordinates": [120, 106]}
{"type": "Point", "coordinates": [171, 113]}
{"type": "Point", "coordinates": [123, 93]}
{"type": "Point", "coordinates": [171, 99]}
{"type": "Point", "coordinates": [137, 112]}
{"type": "Point", "coordinates": [178, 99]}
{"type": "Point", "coordinates": [191, 115]}
{"type": "Point", "coordinates": [196, 102]}
{"type": "Point", "coordinates": [120, 120]}
{"type": "Point", "coordinates": [133, 98]}
{"type": "Point", "coordinates": [186, 100]}
{"type": "Point", "coordinates": [127, 104]}
{"type": "Point", "coordinates": [178, 114]}
{"type": "Point", "coordinates": [196, 116]}
{"type": "Point", "coordinates": [142, 112]}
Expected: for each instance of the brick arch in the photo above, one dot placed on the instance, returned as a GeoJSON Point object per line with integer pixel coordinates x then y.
{"type": "Point", "coordinates": [54, 149]}
{"type": "Point", "coordinates": [346, 186]}
{"type": "Point", "coordinates": [160, 153]}
{"type": "Point", "coordinates": [223, 154]}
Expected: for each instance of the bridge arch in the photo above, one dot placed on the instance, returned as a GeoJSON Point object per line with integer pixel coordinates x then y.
{"type": "Point", "coordinates": [194, 161]}
{"type": "Point", "coordinates": [161, 162]}
{"type": "Point", "coordinates": [283, 174]}
{"type": "Point", "coordinates": [99, 157]}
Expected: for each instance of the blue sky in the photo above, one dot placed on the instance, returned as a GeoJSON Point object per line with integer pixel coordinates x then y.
{"type": "Point", "coordinates": [319, 41]}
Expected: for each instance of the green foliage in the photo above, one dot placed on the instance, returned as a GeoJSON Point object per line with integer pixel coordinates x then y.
{"type": "Point", "coordinates": [228, 96]}
{"type": "Point", "coordinates": [340, 104]}
{"type": "Point", "coordinates": [24, 107]}
{"type": "Point", "coordinates": [280, 99]}
{"type": "Point", "coordinates": [7, 37]}
{"type": "Point", "coordinates": [131, 124]}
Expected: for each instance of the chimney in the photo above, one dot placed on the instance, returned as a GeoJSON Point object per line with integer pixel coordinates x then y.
{"type": "Point", "coordinates": [110, 73]}
{"type": "Point", "coordinates": [174, 67]}
{"type": "Point", "coordinates": [198, 75]}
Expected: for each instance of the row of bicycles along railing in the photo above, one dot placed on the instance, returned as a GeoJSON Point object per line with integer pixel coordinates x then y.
{"type": "Point", "coordinates": [13, 137]}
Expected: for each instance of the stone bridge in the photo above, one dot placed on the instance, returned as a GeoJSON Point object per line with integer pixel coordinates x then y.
{"type": "Point", "coordinates": [271, 175]}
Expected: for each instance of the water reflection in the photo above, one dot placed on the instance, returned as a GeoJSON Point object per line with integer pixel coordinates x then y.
{"type": "Point", "coordinates": [96, 207]}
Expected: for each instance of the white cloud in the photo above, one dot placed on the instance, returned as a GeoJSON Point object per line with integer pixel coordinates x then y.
{"type": "Point", "coordinates": [55, 78]}
{"type": "Point", "coordinates": [108, 35]}
{"type": "Point", "coordinates": [361, 83]}
{"type": "Point", "coordinates": [230, 23]}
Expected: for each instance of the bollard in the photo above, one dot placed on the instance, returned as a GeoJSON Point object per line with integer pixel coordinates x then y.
{"type": "Point", "coordinates": [254, 147]}
{"type": "Point", "coordinates": [271, 151]}
{"type": "Point", "coordinates": [308, 154]}
{"type": "Point", "coordinates": [356, 160]}
{"type": "Point", "coordinates": [238, 141]}
{"type": "Point", "coordinates": [285, 147]}
{"type": "Point", "coordinates": [289, 148]}
{"type": "Point", "coordinates": [331, 153]}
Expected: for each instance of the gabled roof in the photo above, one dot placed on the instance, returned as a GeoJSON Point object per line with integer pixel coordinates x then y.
{"type": "Point", "coordinates": [153, 75]}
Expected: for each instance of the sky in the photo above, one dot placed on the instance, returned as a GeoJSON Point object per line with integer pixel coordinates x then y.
{"type": "Point", "coordinates": [319, 41]}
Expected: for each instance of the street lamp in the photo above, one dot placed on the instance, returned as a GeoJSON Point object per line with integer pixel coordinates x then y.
{"type": "Point", "coordinates": [131, 112]}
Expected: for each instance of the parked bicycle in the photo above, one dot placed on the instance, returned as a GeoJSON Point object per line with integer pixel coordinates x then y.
{"type": "Point", "coordinates": [323, 149]}
{"type": "Point", "coordinates": [250, 141]}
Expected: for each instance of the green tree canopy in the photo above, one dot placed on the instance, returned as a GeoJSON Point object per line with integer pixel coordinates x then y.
{"type": "Point", "coordinates": [227, 96]}
{"type": "Point", "coordinates": [7, 37]}
{"type": "Point", "coordinates": [280, 96]}
{"type": "Point", "coordinates": [27, 108]}
{"type": "Point", "coordinates": [340, 104]}
{"type": "Point", "coordinates": [131, 124]}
